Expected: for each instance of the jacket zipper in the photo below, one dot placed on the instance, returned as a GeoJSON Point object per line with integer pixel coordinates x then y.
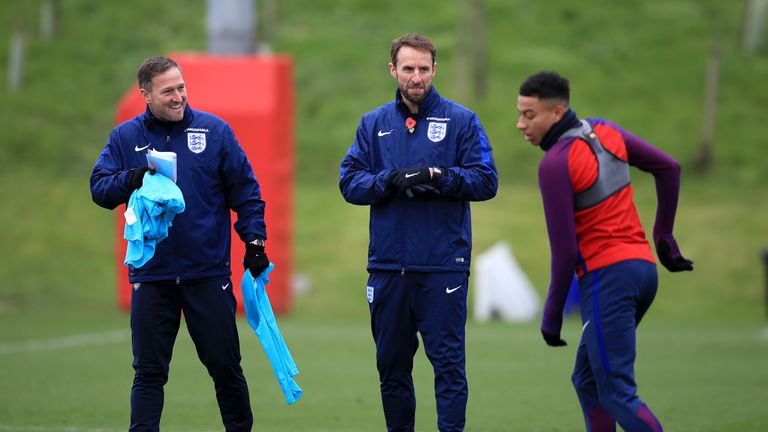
{"type": "Point", "coordinates": [168, 145]}
{"type": "Point", "coordinates": [403, 219]}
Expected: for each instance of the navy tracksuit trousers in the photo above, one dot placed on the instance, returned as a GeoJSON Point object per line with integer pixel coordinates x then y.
{"type": "Point", "coordinates": [209, 310]}
{"type": "Point", "coordinates": [434, 305]}
{"type": "Point", "coordinates": [613, 301]}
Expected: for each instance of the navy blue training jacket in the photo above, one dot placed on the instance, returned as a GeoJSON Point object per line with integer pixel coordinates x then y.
{"type": "Point", "coordinates": [214, 176]}
{"type": "Point", "coordinates": [425, 234]}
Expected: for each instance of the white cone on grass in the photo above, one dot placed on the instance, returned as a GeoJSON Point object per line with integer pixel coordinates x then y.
{"type": "Point", "coordinates": [502, 289]}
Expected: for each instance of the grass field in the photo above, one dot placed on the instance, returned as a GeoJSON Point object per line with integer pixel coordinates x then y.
{"type": "Point", "coordinates": [706, 378]}
{"type": "Point", "coordinates": [65, 349]}
{"type": "Point", "coordinates": [65, 360]}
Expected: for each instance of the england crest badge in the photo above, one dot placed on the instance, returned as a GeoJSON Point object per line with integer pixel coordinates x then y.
{"type": "Point", "coordinates": [370, 294]}
{"type": "Point", "coordinates": [436, 131]}
{"type": "Point", "coordinates": [196, 142]}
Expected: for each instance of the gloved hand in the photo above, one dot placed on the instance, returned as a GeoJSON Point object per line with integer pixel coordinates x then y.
{"type": "Point", "coordinates": [670, 257]}
{"type": "Point", "coordinates": [255, 259]}
{"type": "Point", "coordinates": [403, 179]}
{"type": "Point", "coordinates": [553, 340]}
{"type": "Point", "coordinates": [423, 189]}
{"type": "Point", "coordinates": [136, 176]}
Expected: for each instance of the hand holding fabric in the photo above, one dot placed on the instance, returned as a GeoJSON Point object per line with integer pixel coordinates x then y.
{"type": "Point", "coordinates": [136, 176]}
{"type": "Point", "coordinates": [670, 256]}
{"type": "Point", "coordinates": [255, 259]}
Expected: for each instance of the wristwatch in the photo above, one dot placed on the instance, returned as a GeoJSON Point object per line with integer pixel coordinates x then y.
{"type": "Point", "coordinates": [257, 242]}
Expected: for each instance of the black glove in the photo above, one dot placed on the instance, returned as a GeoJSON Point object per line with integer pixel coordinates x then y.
{"type": "Point", "coordinates": [136, 176]}
{"type": "Point", "coordinates": [255, 259]}
{"type": "Point", "coordinates": [420, 190]}
{"type": "Point", "coordinates": [670, 256]}
{"type": "Point", "coordinates": [403, 179]}
{"type": "Point", "coordinates": [400, 180]}
{"type": "Point", "coordinates": [553, 340]}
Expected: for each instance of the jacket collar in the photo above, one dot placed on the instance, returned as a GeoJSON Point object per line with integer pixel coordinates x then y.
{"type": "Point", "coordinates": [569, 121]}
{"type": "Point", "coordinates": [152, 122]}
{"type": "Point", "coordinates": [429, 102]}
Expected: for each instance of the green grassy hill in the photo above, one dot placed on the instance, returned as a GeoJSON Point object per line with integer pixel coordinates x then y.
{"type": "Point", "coordinates": [641, 65]}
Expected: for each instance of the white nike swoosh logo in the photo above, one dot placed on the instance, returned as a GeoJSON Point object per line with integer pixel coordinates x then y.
{"type": "Point", "coordinates": [138, 149]}
{"type": "Point", "coordinates": [409, 175]}
{"type": "Point", "coordinates": [450, 290]}
{"type": "Point", "coordinates": [585, 325]}
{"type": "Point", "coordinates": [382, 133]}
{"type": "Point", "coordinates": [224, 286]}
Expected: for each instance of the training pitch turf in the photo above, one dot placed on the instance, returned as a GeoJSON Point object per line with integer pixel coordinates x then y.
{"type": "Point", "coordinates": [69, 370]}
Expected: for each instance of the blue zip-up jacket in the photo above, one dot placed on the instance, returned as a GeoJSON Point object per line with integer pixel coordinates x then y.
{"type": "Point", "coordinates": [431, 234]}
{"type": "Point", "coordinates": [214, 176]}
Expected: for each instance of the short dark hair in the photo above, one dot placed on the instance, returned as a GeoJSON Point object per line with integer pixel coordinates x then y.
{"type": "Point", "coordinates": [152, 67]}
{"type": "Point", "coordinates": [546, 85]}
{"type": "Point", "coordinates": [413, 40]}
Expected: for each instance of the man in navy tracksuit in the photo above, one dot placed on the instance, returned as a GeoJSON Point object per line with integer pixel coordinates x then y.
{"type": "Point", "coordinates": [190, 269]}
{"type": "Point", "coordinates": [417, 162]}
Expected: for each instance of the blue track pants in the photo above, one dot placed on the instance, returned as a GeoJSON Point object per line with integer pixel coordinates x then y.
{"type": "Point", "coordinates": [209, 310]}
{"type": "Point", "coordinates": [613, 301]}
{"type": "Point", "coordinates": [434, 305]}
